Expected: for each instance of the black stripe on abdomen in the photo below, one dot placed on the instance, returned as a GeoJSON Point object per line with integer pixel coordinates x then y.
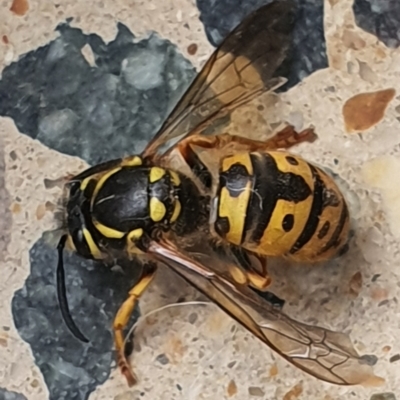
{"type": "Point", "coordinates": [270, 185]}
{"type": "Point", "coordinates": [315, 212]}
{"type": "Point", "coordinates": [334, 241]}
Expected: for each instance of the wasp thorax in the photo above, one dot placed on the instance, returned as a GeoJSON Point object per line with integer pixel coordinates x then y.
{"type": "Point", "coordinates": [118, 209]}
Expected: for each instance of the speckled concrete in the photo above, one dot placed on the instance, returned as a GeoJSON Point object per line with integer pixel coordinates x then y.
{"type": "Point", "coordinates": [103, 79]}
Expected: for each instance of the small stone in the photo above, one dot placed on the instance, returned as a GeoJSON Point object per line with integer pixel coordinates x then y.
{"type": "Point", "coordinates": [162, 359]}
{"type": "Point", "coordinates": [232, 388]}
{"type": "Point", "coordinates": [19, 7]}
{"type": "Point", "coordinates": [40, 211]}
{"type": "Point", "coordinates": [383, 396]}
{"type": "Point", "coordinates": [355, 284]}
{"type": "Point", "coordinates": [386, 349]}
{"type": "Point", "coordinates": [144, 69]}
{"type": "Point", "coordinates": [13, 155]}
{"type": "Point", "coordinates": [366, 72]}
{"type": "Point", "coordinates": [365, 110]}
{"type": "Point", "coordinates": [256, 391]}
{"type": "Point", "coordinates": [294, 392]}
{"type": "Point", "coordinates": [35, 383]}
{"type": "Point", "coordinates": [375, 277]}
{"type": "Point", "coordinates": [16, 208]}
{"type": "Point", "coordinates": [192, 318]}
{"type": "Point", "coordinates": [231, 364]}
{"type": "Point", "coordinates": [192, 49]}
{"type": "Point", "coordinates": [273, 371]}
{"type": "Point", "coordinates": [394, 358]}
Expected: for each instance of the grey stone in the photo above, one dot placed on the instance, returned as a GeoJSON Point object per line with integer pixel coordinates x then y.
{"type": "Point", "coordinates": [6, 395]}
{"type": "Point", "coordinates": [96, 112]}
{"type": "Point", "coordinates": [71, 369]}
{"type": "Point", "coordinates": [381, 18]}
{"type": "Point", "coordinates": [383, 396]}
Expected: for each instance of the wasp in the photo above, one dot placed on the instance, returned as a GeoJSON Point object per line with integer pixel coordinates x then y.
{"type": "Point", "coordinates": [213, 207]}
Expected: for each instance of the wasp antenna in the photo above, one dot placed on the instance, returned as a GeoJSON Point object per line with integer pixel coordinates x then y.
{"type": "Point", "coordinates": [62, 293]}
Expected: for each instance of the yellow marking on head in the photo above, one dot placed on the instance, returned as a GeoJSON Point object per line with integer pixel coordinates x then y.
{"type": "Point", "coordinates": [108, 232]}
{"type": "Point", "coordinates": [234, 208]}
{"type": "Point", "coordinates": [131, 239]}
{"type": "Point", "coordinates": [240, 158]}
{"type": "Point", "coordinates": [176, 181]}
{"type": "Point", "coordinates": [69, 244]}
{"type": "Point", "coordinates": [94, 250]}
{"type": "Point", "coordinates": [177, 211]}
{"type": "Point", "coordinates": [156, 173]}
{"type": "Point", "coordinates": [84, 183]}
{"type": "Point", "coordinates": [238, 275]}
{"type": "Point", "coordinates": [132, 161]}
{"type": "Point", "coordinates": [157, 209]}
{"type": "Point", "coordinates": [101, 182]}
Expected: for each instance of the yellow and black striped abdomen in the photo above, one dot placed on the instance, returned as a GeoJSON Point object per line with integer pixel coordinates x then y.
{"type": "Point", "coordinates": [277, 204]}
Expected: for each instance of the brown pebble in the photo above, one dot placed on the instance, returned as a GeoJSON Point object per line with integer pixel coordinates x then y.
{"type": "Point", "coordinates": [386, 349]}
{"type": "Point", "coordinates": [379, 294]}
{"type": "Point", "coordinates": [35, 383]}
{"type": "Point", "coordinates": [40, 211]}
{"type": "Point", "coordinates": [355, 284]}
{"type": "Point", "coordinates": [19, 7]}
{"type": "Point", "coordinates": [273, 371]}
{"type": "Point", "coordinates": [192, 49]}
{"type": "Point", "coordinates": [365, 110]}
{"type": "Point", "coordinates": [232, 388]}
{"type": "Point", "coordinates": [3, 342]}
{"type": "Point", "coordinates": [16, 208]}
{"type": "Point", "coordinates": [294, 392]}
{"type": "Point", "coordinates": [5, 40]}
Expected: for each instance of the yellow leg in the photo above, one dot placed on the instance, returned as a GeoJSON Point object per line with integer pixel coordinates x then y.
{"type": "Point", "coordinates": [245, 273]}
{"type": "Point", "coordinates": [259, 280]}
{"type": "Point", "coordinates": [283, 139]}
{"type": "Point", "coordinates": [122, 319]}
{"type": "Point", "coordinates": [288, 137]}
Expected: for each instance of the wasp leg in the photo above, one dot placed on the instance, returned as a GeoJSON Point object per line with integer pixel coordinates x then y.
{"type": "Point", "coordinates": [122, 319]}
{"type": "Point", "coordinates": [247, 273]}
{"type": "Point", "coordinates": [283, 139]}
{"type": "Point", "coordinates": [289, 137]}
{"type": "Point", "coordinates": [259, 280]}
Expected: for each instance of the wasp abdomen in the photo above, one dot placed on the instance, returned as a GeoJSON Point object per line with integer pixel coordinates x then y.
{"type": "Point", "coordinates": [277, 204]}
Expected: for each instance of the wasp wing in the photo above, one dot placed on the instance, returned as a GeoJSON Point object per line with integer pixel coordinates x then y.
{"type": "Point", "coordinates": [327, 355]}
{"type": "Point", "coordinates": [240, 69]}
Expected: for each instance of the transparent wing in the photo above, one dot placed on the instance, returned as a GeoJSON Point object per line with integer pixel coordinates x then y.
{"type": "Point", "coordinates": [240, 69]}
{"type": "Point", "coordinates": [327, 355]}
